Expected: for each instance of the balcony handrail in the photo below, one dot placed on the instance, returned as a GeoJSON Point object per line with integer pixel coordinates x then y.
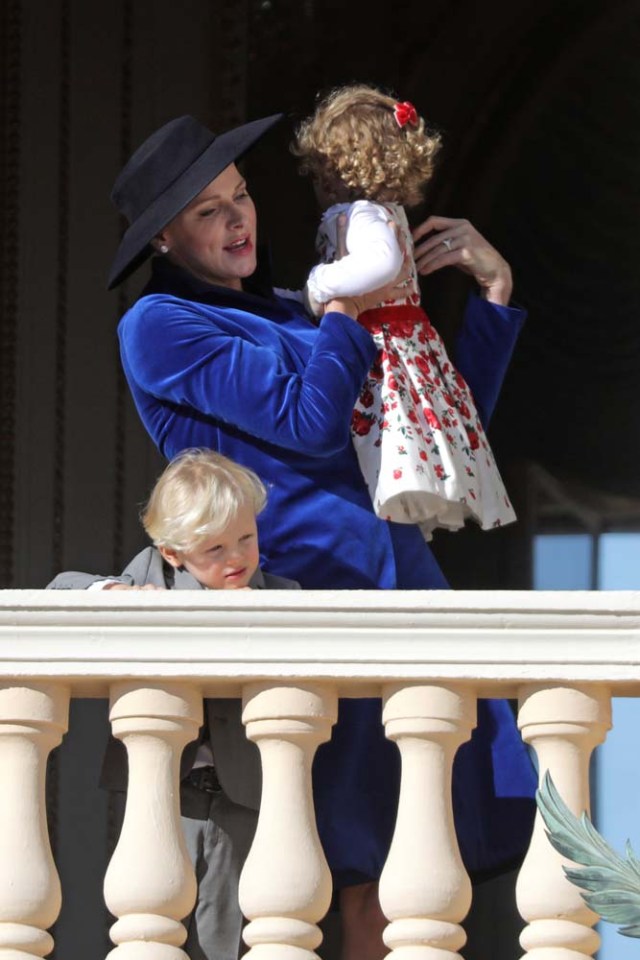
{"type": "Point", "coordinates": [495, 641]}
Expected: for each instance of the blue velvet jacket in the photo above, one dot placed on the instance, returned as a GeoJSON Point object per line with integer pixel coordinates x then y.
{"type": "Point", "coordinates": [249, 375]}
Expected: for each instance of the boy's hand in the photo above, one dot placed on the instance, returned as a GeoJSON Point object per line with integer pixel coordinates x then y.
{"type": "Point", "coordinates": [127, 586]}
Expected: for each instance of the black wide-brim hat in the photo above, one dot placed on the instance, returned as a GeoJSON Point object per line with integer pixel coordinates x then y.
{"type": "Point", "coordinates": [171, 168]}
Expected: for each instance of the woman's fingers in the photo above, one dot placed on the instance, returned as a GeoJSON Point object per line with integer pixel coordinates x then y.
{"type": "Point", "coordinates": [447, 242]}
{"type": "Point", "coordinates": [433, 223]}
{"type": "Point", "coordinates": [438, 237]}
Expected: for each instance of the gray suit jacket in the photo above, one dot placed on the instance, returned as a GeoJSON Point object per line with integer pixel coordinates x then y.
{"type": "Point", "coordinates": [237, 759]}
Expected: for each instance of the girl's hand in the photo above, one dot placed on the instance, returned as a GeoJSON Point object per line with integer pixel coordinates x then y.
{"type": "Point", "coordinates": [457, 243]}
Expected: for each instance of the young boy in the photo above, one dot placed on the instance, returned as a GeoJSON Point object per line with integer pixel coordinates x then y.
{"type": "Point", "coordinates": [201, 518]}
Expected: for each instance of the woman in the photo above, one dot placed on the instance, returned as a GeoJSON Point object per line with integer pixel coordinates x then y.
{"type": "Point", "coordinates": [215, 358]}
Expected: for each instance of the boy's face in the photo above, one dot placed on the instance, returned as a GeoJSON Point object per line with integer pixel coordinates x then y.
{"type": "Point", "coordinates": [226, 561]}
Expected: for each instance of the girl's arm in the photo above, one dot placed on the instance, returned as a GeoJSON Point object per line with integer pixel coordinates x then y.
{"type": "Point", "coordinates": [373, 257]}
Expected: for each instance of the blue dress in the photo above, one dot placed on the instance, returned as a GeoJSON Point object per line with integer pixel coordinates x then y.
{"type": "Point", "coordinates": [248, 374]}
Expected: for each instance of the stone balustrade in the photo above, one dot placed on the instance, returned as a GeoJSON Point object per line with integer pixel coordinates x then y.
{"type": "Point", "coordinates": [290, 655]}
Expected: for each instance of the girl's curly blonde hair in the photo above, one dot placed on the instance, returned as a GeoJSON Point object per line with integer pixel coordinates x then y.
{"type": "Point", "coordinates": [354, 149]}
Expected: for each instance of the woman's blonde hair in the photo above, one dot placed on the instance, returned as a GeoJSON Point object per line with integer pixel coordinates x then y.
{"type": "Point", "coordinates": [354, 149]}
{"type": "Point", "coordinates": [197, 496]}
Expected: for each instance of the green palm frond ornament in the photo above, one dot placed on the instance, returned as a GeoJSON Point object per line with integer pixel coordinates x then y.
{"type": "Point", "coordinates": [609, 883]}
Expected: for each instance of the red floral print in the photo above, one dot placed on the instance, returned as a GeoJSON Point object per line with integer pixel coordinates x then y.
{"type": "Point", "coordinates": [423, 364]}
{"type": "Point", "coordinates": [431, 418]}
{"type": "Point", "coordinates": [394, 359]}
{"type": "Point", "coordinates": [366, 398]}
{"type": "Point", "coordinates": [403, 327]}
{"type": "Point", "coordinates": [361, 425]}
{"type": "Point", "coordinates": [376, 373]}
{"type": "Point", "coordinates": [431, 333]}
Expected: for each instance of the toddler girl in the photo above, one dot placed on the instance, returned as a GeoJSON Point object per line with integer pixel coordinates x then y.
{"type": "Point", "coordinates": [420, 444]}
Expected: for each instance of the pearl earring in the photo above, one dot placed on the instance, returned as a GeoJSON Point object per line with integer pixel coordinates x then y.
{"type": "Point", "coordinates": [164, 248]}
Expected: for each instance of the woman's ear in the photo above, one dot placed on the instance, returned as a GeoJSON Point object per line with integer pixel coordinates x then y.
{"type": "Point", "coordinates": [171, 556]}
{"type": "Point", "coordinates": [159, 244]}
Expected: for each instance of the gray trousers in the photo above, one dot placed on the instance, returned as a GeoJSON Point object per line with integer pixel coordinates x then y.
{"type": "Point", "coordinates": [218, 834]}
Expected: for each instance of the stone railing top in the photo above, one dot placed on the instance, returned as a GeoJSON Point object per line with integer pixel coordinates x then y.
{"type": "Point", "coordinates": [495, 641]}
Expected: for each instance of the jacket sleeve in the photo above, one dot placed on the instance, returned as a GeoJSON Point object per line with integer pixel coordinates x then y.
{"type": "Point", "coordinates": [179, 354]}
{"type": "Point", "coordinates": [136, 573]}
{"type": "Point", "coordinates": [373, 257]}
{"type": "Point", "coordinates": [484, 348]}
{"type": "Point", "coordinates": [76, 580]}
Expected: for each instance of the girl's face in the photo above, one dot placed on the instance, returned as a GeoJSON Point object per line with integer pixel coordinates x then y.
{"type": "Point", "coordinates": [214, 237]}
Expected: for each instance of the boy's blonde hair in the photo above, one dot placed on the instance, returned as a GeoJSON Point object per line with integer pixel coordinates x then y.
{"type": "Point", "coordinates": [197, 496]}
{"type": "Point", "coordinates": [354, 149]}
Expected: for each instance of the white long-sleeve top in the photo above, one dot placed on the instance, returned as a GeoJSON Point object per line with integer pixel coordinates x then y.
{"type": "Point", "coordinates": [375, 250]}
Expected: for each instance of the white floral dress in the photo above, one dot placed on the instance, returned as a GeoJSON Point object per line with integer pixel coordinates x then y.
{"type": "Point", "coordinates": [417, 433]}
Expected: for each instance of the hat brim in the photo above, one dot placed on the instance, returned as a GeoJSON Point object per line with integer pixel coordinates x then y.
{"type": "Point", "coordinates": [226, 149]}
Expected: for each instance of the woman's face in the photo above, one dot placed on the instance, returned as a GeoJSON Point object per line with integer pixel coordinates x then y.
{"type": "Point", "coordinates": [214, 237]}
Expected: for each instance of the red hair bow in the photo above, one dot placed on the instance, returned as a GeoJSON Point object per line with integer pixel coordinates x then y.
{"type": "Point", "coordinates": [405, 113]}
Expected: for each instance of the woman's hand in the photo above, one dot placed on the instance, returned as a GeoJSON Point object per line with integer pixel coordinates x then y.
{"type": "Point", "coordinates": [457, 243]}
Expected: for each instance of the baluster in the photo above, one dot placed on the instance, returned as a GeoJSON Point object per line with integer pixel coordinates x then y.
{"type": "Point", "coordinates": [33, 720]}
{"type": "Point", "coordinates": [150, 884]}
{"type": "Point", "coordinates": [285, 887]}
{"type": "Point", "coordinates": [424, 889]}
{"type": "Point", "coordinates": [563, 724]}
